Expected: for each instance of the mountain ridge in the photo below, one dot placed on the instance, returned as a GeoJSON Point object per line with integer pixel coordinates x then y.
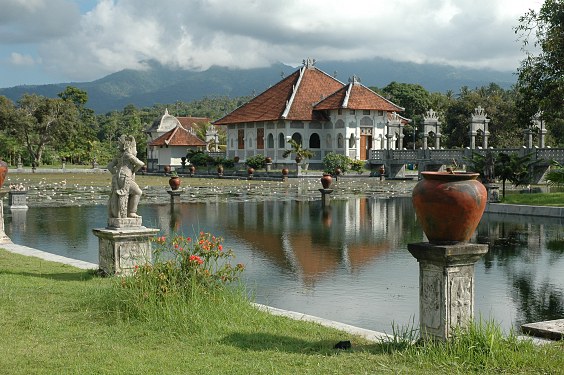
{"type": "Point", "coordinates": [162, 85]}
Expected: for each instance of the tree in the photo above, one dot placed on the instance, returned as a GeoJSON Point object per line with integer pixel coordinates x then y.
{"type": "Point", "coordinates": [41, 121]}
{"type": "Point", "coordinates": [296, 148]}
{"type": "Point", "coordinates": [541, 76]}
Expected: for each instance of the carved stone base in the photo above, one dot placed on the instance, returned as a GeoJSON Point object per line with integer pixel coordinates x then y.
{"type": "Point", "coordinates": [125, 222]}
{"type": "Point", "coordinates": [120, 250]}
{"type": "Point", "coordinates": [446, 286]}
{"type": "Point", "coordinates": [17, 200]}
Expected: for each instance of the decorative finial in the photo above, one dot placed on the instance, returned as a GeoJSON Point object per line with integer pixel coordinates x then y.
{"type": "Point", "coordinates": [309, 62]}
{"type": "Point", "coordinates": [431, 115]}
{"type": "Point", "coordinates": [354, 80]}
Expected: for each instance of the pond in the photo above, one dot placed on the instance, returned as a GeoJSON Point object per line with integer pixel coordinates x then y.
{"type": "Point", "coordinates": [347, 263]}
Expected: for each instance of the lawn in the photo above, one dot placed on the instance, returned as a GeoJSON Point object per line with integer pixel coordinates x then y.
{"type": "Point", "coordinates": [535, 199]}
{"type": "Point", "coordinates": [58, 319]}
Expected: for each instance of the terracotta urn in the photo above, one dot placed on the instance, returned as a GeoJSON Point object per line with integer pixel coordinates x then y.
{"type": "Point", "coordinates": [167, 169]}
{"type": "Point", "coordinates": [382, 170]}
{"type": "Point", "coordinates": [3, 171]}
{"type": "Point", "coordinates": [449, 206]}
{"type": "Point", "coordinates": [268, 160]}
{"type": "Point", "coordinates": [285, 171]}
{"type": "Point", "coordinates": [192, 170]}
{"type": "Point", "coordinates": [326, 180]}
{"type": "Point", "coordinates": [174, 182]}
{"type": "Point", "coordinates": [250, 171]}
{"type": "Point", "coordinates": [298, 160]}
{"type": "Point", "coordinates": [338, 171]}
{"type": "Point", "coordinates": [220, 169]}
{"type": "Point", "coordinates": [236, 159]}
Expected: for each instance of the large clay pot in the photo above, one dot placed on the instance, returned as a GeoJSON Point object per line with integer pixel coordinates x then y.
{"type": "Point", "coordinates": [174, 182]}
{"type": "Point", "coordinates": [449, 206]}
{"type": "Point", "coordinates": [268, 160]}
{"type": "Point", "coordinates": [326, 180]}
{"type": "Point", "coordinates": [3, 172]}
{"type": "Point", "coordinates": [250, 171]}
{"type": "Point", "coordinates": [285, 171]}
{"type": "Point", "coordinates": [167, 169]}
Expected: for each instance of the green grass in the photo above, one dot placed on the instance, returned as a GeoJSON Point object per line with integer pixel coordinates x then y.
{"type": "Point", "coordinates": [57, 319]}
{"type": "Point", "coordinates": [535, 199]}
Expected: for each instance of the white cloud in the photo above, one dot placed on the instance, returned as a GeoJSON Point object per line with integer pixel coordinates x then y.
{"type": "Point", "coordinates": [196, 34]}
{"type": "Point", "coordinates": [21, 60]}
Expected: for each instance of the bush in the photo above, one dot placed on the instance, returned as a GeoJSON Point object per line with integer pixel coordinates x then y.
{"type": "Point", "coordinates": [358, 165]}
{"type": "Point", "coordinates": [556, 175]}
{"type": "Point", "coordinates": [257, 162]}
{"type": "Point", "coordinates": [200, 159]}
{"type": "Point", "coordinates": [332, 161]}
{"type": "Point", "coordinates": [182, 264]}
{"type": "Point", "coordinates": [227, 163]}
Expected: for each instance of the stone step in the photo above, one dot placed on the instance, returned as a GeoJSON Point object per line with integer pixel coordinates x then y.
{"type": "Point", "coordinates": [551, 329]}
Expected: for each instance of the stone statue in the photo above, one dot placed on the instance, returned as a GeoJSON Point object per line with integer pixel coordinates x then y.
{"type": "Point", "coordinates": [489, 167]}
{"type": "Point", "coordinates": [125, 193]}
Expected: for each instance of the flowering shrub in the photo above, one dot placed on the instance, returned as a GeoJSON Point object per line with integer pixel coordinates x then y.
{"type": "Point", "coordinates": [182, 263]}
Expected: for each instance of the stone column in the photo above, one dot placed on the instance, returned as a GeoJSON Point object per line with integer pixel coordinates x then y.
{"type": "Point", "coordinates": [446, 286]}
{"type": "Point", "coordinates": [425, 138]}
{"type": "Point", "coordinates": [325, 196]}
{"type": "Point", "coordinates": [3, 237]}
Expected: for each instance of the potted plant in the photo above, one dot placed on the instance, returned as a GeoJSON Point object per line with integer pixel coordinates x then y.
{"type": "Point", "coordinates": [326, 180]}
{"type": "Point", "coordinates": [192, 170]}
{"type": "Point", "coordinates": [167, 169]}
{"type": "Point", "coordinates": [174, 181]}
{"type": "Point", "coordinates": [297, 149]}
{"type": "Point", "coordinates": [220, 170]}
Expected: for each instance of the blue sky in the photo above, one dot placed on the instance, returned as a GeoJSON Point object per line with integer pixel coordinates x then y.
{"type": "Point", "coordinates": [52, 41]}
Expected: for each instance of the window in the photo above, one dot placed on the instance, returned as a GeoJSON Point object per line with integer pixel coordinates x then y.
{"type": "Point", "coordinates": [380, 113]}
{"type": "Point", "coordinates": [340, 111]}
{"type": "Point", "coordinates": [351, 141]}
{"type": "Point", "coordinates": [314, 141]}
{"type": "Point", "coordinates": [340, 141]}
{"type": "Point", "coordinates": [297, 137]}
{"type": "Point", "coordinates": [260, 138]}
{"type": "Point", "coordinates": [281, 141]}
{"type": "Point", "coordinates": [352, 112]}
{"type": "Point", "coordinates": [270, 141]}
{"type": "Point", "coordinates": [241, 139]}
{"type": "Point", "coordinates": [366, 112]}
{"type": "Point", "coordinates": [328, 141]}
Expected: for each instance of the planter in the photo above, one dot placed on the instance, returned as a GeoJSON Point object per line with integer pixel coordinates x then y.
{"type": "Point", "coordinates": [326, 180]}
{"type": "Point", "coordinates": [285, 171]}
{"type": "Point", "coordinates": [250, 171]}
{"type": "Point", "coordinates": [236, 159]}
{"type": "Point", "coordinates": [268, 160]}
{"type": "Point", "coordinates": [3, 172]}
{"type": "Point", "coordinates": [220, 170]}
{"type": "Point", "coordinates": [298, 160]}
{"type": "Point", "coordinates": [449, 206]}
{"type": "Point", "coordinates": [167, 169]}
{"type": "Point", "coordinates": [192, 170]}
{"type": "Point", "coordinates": [174, 182]}
{"type": "Point", "coordinates": [338, 171]}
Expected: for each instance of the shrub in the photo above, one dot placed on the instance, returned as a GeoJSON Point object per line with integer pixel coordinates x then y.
{"type": "Point", "coordinates": [556, 175]}
{"type": "Point", "coordinates": [332, 161]}
{"type": "Point", "coordinates": [358, 165]}
{"type": "Point", "coordinates": [200, 159]}
{"type": "Point", "coordinates": [257, 161]}
{"type": "Point", "coordinates": [181, 264]}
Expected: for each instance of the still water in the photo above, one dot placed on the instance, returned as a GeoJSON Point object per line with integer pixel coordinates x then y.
{"type": "Point", "coordinates": [347, 263]}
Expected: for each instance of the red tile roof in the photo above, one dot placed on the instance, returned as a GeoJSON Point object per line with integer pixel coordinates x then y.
{"type": "Point", "coordinates": [292, 98]}
{"type": "Point", "coordinates": [357, 96]}
{"type": "Point", "coordinates": [178, 137]}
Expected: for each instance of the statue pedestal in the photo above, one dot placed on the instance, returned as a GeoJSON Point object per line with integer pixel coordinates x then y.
{"type": "Point", "coordinates": [446, 286]}
{"type": "Point", "coordinates": [123, 245]}
{"type": "Point", "coordinates": [3, 237]}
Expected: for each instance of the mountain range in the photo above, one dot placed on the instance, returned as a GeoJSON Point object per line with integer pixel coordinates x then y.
{"type": "Point", "coordinates": [161, 84]}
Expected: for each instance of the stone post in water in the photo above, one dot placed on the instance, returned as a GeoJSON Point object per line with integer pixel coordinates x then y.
{"type": "Point", "coordinates": [124, 243]}
{"type": "Point", "coordinates": [449, 207]}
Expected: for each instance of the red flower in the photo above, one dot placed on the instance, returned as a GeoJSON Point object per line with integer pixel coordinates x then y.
{"type": "Point", "coordinates": [220, 247]}
{"type": "Point", "coordinates": [196, 259]}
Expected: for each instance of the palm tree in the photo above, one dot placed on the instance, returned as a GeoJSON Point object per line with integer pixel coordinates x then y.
{"type": "Point", "coordinates": [301, 153]}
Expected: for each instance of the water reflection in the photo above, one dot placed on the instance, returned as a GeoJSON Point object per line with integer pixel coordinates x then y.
{"type": "Point", "coordinates": [348, 262]}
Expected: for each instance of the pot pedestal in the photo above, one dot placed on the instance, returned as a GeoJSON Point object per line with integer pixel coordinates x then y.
{"type": "Point", "coordinates": [124, 244]}
{"type": "Point", "coordinates": [3, 237]}
{"type": "Point", "coordinates": [325, 196]}
{"type": "Point", "coordinates": [174, 196]}
{"type": "Point", "coordinates": [446, 286]}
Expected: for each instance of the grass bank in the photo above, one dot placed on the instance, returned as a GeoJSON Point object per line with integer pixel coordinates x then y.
{"type": "Point", "coordinates": [536, 199]}
{"type": "Point", "coordinates": [58, 319]}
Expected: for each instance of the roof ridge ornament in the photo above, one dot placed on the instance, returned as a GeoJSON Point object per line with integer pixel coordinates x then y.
{"type": "Point", "coordinates": [355, 80]}
{"type": "Point", "coordinates": [309, 63]}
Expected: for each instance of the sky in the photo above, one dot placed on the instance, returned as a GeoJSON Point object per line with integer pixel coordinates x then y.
{"type": "Point", "coordinates": [55, 41]}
